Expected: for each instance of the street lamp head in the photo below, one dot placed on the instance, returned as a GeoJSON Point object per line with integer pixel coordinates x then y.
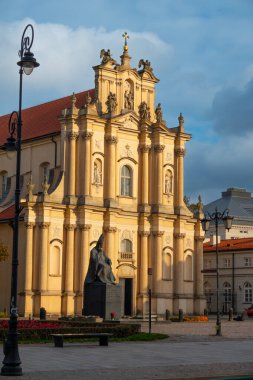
{"type": "Point", "coordinates": [28, 62]}
{"type": "Point", "coordinates": [205, 223]}
{"type": "Point", "coordinates": [228, 220]}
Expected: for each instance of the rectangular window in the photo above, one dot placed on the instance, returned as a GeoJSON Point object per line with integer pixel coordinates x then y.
{"type": "Point", "coordinates": [247, 262]}
{"type": "Point", "coordinates": [248, 295]}
{"type": "Point", "coordinates": [227, 262]}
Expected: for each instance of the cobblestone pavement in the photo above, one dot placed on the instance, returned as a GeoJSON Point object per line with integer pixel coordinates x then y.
{"type": "Point", "coordinates": [192, 351]}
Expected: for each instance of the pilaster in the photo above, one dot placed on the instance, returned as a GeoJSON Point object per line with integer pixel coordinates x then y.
{"type": "Point", "coordinates": [110, 191]}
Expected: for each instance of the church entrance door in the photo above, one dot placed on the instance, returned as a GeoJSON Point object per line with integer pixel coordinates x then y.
{"type": "Point", "coordinates": [127, 287]}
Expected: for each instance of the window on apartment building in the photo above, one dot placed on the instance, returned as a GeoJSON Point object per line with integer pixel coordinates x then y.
{"type": "Point", "coordinates": [208, 264]}
{"type": "Point", "coordinates": [247, 292]}
{"type": "Point", "coordinates": [247, 262]}
{"type": "Point", "coordinates": [227, 292]}
{"type": "Point", "coordinates": [3, 183]}
{"type": "Point", "coordinates": [227, 262]}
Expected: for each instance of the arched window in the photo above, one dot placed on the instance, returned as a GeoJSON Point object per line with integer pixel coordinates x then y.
{"type": "Point", "coordinates": [247, 292]}
{"type": "Point", "coordinates": [126, 181]}
{"type": "Point", "coordinates": [126, 245]}
{"type": "Point", "coordinates": [188, 268]}
{"type": "Point", "coordinates": [55, 261]}
{"type": "Point", "coordinates": [167, 265]}
{"type": "Point", "coordinates": [3, 183]}
{"type": "Point", "coordinates": [227, 292]}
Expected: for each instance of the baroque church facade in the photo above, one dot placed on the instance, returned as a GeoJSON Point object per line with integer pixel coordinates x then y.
{"type": "Point", "coordinates": [102, 161]}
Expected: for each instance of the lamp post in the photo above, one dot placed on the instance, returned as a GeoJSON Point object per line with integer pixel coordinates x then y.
{"type": "Point", "coordinates": [11, 362]}
{"type": "Point", "coordinates": [227, 220]}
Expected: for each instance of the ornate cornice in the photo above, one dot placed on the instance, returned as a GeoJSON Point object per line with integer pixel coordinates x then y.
{"type": "Point", "coordinates": [86, 135]}
{"type": "Point", "coordinates": [159, 148]}
{"type": "Point", "coordinates": [73, 135]}
{"type": "Point", "coordinates": [179, 235]}
{"type": "Point", "coordinates": [44, 225]}
{"type": "Point", "coordinates": [144, 148]}
{"type": "Point", "coordinates": [110, 229]}
{"type": "Point", "coordinates": [111, 139]}
{"type": "Point", "coordinates": [180, 152]}
{"type": "Point", "coordinates": [70, 227]}
{"type": "Point", "coordinates": [29, 225]}
{"type": "Point", "coordinates": [84, 227]}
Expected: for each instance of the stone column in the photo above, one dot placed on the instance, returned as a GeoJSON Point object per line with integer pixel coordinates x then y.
{"type": "Point", "coordinates": [43, 255]}
{"type": "Point", "coordinates": [29, 256]}
{"type": "Point", "coordinates": [84, 253]}
{"type": "Point", "coordinates": [85, 190]}
{"type": "Point", "coordinates": [72, 136]}
{"type": "Point", "coordinates": [144, 262]}
{"type": "Point", "coordinates": [199, 265]}
{"type": "Point", "coordinates": [69, 263]}
{"type": "Point", "coordinates": [158, 148]}
{"type": "Point", "coordinates": [110, 246]}
{"type": "Point", "coordinates": [180, 153]}
{"type": "Point", "coordinates": [179, 262]}
{"type": "Point", "coordinates": [157, 260]}
{"type": "Point", "coordinates": [144, 175]}
{"type": "Point", "coordinates": [110, 183]}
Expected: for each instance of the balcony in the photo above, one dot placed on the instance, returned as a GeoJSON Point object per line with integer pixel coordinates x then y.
{"type": "Point", "coordinates": [125, 256]}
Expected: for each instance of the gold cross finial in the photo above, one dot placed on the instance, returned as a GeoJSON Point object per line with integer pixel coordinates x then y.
{"type": "Point", "coordinates": [126, 36]}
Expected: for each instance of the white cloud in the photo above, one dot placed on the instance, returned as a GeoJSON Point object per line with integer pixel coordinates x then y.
{"type": "Point", "coordinates": [66, 57]}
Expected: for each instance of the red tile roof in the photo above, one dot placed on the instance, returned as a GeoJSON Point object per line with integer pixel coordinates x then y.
{"type": "Point", "coordinates": [8, 213]}
{"type": "Point", "coordinates": [42, 120]}
{"type": "Point", "coordinates": [230, 245]}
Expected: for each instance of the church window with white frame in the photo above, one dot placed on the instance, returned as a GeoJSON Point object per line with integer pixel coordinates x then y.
{"type": "Point", "coordinates": [126, 181]}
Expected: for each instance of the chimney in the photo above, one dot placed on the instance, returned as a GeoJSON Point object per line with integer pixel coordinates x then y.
{"type": "Point", "coordinates": [213, 239]}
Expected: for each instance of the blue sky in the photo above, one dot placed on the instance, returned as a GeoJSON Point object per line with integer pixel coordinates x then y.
{"type": "Point", "coordinates": [201, 50]}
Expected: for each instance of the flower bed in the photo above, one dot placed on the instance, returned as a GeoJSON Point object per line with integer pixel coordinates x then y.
{"type": "Point", "coordinates": [25, 324]}
{"type": "Point", "coordinates": [197, 318]}
{"type": "Point", "coordinates": [192, 318]}
{"type": "Point", "coordinates": [44, 333]}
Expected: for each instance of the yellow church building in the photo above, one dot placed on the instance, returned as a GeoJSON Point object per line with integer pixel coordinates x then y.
{"type": "Point", "coordinates": [102, 160]}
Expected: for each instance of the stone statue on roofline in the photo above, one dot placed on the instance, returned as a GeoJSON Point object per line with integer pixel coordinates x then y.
{"type": "Point", "coordinates": [144, 111]}
{"type": "Point", "coordinates": [100, 269]}
{"type": "Point", "coordinates": [158, 113]}
{"type": "Point", "coordinates": [106, 57]}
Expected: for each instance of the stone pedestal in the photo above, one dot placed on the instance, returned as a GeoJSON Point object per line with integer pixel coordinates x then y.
{"type": "Point", "coordinates": [102, 299]}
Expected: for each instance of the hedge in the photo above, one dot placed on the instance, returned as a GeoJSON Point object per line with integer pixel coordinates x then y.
{"type": "Point", "coordinates": [118, 330]}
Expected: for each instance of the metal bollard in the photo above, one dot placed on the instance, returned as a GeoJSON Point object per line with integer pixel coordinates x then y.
{"type": "Point", "coordinates": [43, 314]}
{"type": "Point", "coordinates": [167, 315]}
{"type": "Point", "coordinates": [230, 314]}
{"type": "Point", "coordinates": [180, 315]}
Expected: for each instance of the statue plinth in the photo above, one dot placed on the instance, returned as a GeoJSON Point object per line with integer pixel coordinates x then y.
{"type": "Point", "coordinates": [102, 299]}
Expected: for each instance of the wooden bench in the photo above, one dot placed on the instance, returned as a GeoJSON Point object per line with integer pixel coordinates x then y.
{"type": "Point", "coordinates": [103, 337]}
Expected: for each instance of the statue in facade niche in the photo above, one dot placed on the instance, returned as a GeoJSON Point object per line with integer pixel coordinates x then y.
{"type": "Point", "coordinates": [97, 175]}
{"type": "Point", "coordinates": [144, 111]}
{"type": "Point", "coordinates": [111, 102]}
{"type": "Point", "coordinates": [106, 57]}
{"type": "Point", "coordinates": [168, 183]}
{"type": "Point", "coordinates": [159, 114]}
{"type": "Point", "coordinates": [100, 269]}
{"type": "Point", "coordinates": [129, 100]}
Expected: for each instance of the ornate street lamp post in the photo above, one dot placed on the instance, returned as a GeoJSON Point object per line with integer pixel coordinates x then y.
{"type": "Point", "coordinates": [227, 220]}
{"type": "Point", "coordinates": [11, 362]}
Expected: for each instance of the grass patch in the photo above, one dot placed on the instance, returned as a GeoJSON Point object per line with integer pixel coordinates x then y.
{"type": "Point", "coordinates": [139, 337]}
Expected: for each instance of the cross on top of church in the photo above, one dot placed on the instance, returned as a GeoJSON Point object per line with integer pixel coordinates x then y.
{"type": "Point", "coordinates": [125, 36]}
